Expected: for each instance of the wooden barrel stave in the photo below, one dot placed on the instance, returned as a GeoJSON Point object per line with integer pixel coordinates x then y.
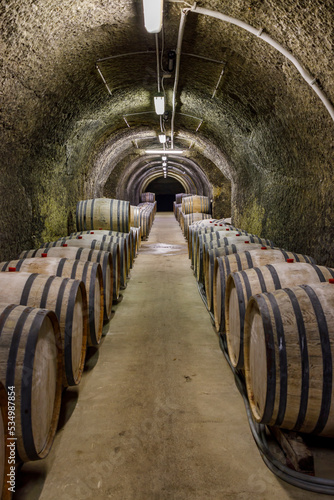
{"type": "Point", "coordinates": [84, 254]}
{"type": "Point", "coordinates": [88, 272]}
{"type": "Point", "coordinates": [104, 213]}
{"type": "Point", "coordinates": [289, 352]}
{"type": "Point", "coordinates": [31, 361]}
{"type": "Point", "coordinates": [67, 297]}
{"type": "Point", "coordinates": [242, 285]}
{"type": "Point", "coordinates": [254, 257]}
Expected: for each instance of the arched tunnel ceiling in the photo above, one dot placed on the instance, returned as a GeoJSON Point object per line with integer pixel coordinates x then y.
{"type": "Point", "coordinates": [64, 136]}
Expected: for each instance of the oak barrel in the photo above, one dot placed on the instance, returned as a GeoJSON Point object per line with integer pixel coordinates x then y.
{"type": "Point", "coordinates": [104, 213]}
{"type": "Point", "coordinates": [248, 259]}
{"type": "Point", "coordinates": [147, 197]}
{"type": "Point", "coordinates": [243, 284]}
{"type": "Point", "coordinates": [108, 263]}
{"type": "Point", "coordinates": [134, 216]}
{"type": "Point", "coordinates": [31, 367]}
{"type": "Point", "coordinates": [210, 256]}
{"type": "Point", "coordinates": [88, 272]}
{"type": "Point", "coordinates": [67, 298]}
{"type": "Point", "coordinates": [96, 245]}
{"type": "Point", "coordinates": [191, 204]}
{"type": "Point", "coordinates": [289, 352]}
{"type": "Point", "coordinates": [191, 218]}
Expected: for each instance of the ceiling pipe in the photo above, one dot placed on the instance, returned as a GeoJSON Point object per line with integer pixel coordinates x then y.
{"type": "Point", "coordinates": [260, 34]}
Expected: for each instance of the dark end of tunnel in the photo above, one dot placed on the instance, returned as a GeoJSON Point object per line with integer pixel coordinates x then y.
{"type": "Point", "coordinates": [165, 190]}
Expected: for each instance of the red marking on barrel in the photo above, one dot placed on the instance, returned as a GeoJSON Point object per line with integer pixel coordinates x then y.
{"type": "Point", "coordinates": [79, 237]}
{"type": "Point", "coordinates": [44, 254]}
{"type": "Point", "coordinates": [263, 248]}
{"type": "Point", "coordinates": [227, 229]}
{"type": "Point", "coordinates": [290, 260]}
{"type": "Point", "coordinates": [246, 241]}
{"type": "Point", "coordinates": [331, 280]}
{"type": "Point", "coordinates": [12, 269]}
{"type": "Point", "coordinates": [64, 245]}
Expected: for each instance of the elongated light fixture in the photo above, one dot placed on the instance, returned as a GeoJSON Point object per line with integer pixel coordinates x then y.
{"type": "Point", "coordinates": [164, 151]}
{"type": "Point", "coordinates": [159, 104]}
{"type": "Point", "coordinates": [162, 138]}
{"type": "Point", "coordinates": [153, 15]}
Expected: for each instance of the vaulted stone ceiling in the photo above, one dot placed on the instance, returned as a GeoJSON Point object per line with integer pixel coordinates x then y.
{"type": "Point", "coordinates": [247, 120]}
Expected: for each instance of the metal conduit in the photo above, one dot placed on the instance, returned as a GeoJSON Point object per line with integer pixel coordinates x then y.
{"type": "Point", "coordinates": [259, 33]}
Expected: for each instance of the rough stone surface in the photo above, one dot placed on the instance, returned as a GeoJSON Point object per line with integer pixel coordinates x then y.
{"type": "Point", "coordinates": [265, 133]}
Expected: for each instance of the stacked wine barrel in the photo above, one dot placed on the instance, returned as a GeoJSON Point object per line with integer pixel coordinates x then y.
{"type": "Point", "coordinates": [274, 309]}
{"type": "Point", "coordinates": [147, 211]}
{"type": "Point", "coordinates": [189, 208]}
{"type": "Point", "coordinates": [54, 301]}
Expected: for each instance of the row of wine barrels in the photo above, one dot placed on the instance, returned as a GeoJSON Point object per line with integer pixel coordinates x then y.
{"type": "Point", "coordinates": [134, 216]}
{"type": "Point", "coordinates": [65, 296]}
{"type": "Point", "coordinates": [210, 261]}
{"type": "Point", "coordinates": [279, 328]}
{"type": "Point", "coordinates": [180, 196]}
{"type": "Point", "coordinates": [191, 204]}
{"type": "Point", "coordinates": [147, 211]}
{"type": "Point", "coordinates": [110, 237]}
{"type": "Point", "coordinates": [189, 219]}
{"type": "Point", "coordinates": [109, 261]}
{"type": "Point", "coordinates": [195, 228]}
{"type": "Point", "coordinates": [222, 238]}
{"type": "Point", "coordinates": [97, 245]}
{"type": "Point", "coordinates": [242, 285]}
{"type": "Point", "coordinates": [195, 231]}
{"type": "Point", "coordinates": [252, 258]}
{"type": "Point", "coordinates": [90, 273]}
{"type": "Point", "coordinates": [288, 352]}
{"type": "Point", "coordinates": [31, 372]}
{"type": "Point", "coordinates": [103, 213]}
{"type": "Point", "coordinates": [147, 197]}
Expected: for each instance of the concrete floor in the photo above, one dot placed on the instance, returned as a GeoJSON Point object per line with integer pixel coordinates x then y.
{"type": "Point", "coordinates": [157, 414]}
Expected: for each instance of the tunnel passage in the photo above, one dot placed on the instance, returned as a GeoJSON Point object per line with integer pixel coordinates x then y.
{"type": "Point", "coordinates": [165, 191]}
{"type": "Point", "coordinates": [77, 86]}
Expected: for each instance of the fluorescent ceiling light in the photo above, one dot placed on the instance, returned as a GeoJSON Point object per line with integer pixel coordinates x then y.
{"type": "Point", "coordinates": [164, 151]}
{"type": "Point", "coordinates": [162, 138]}
{"type": "Point", "coordinates": [164, 158]}
{"type": "Point", "coordinates": [153, 15]}
{"type": "Point", "coordinates": [159, 104]}
{"type": "Point", "coordinates": [164, 164]}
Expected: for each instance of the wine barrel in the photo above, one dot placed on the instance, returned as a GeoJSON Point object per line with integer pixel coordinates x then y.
{"type": "Point", "coordinates": [221, 236]}
{"type": "Point", "coordinates": [109, 237]}
{"type": "Point", "coordinates": [146, 220]}
{"type": "Point", "coordinates": [180, 196]}
{"type": "Point", "coordinates": [248, 259]}
{"type": "Point", "coordinates": [288, 348]}
{"type": "Point", "coordinates": [147, 197]}
{"type": "Point", "coordinates": [7, 460]}
{"type": "Point", "coordinates": [31, 368]}
{"type": "Point", "coordinates": [67, 298]}
{"type": "Point", "coordinates": [88, 272]}
{"type": "Point", "coordinates": [96, 245]}
{"type": "Point", "coordinates": [193, 229]}
{"type": "Point", "coordinates": [103, 213]}
{"type": "Point", "coordinates": [242, 285]}
{"type": "Point", "coordinates": [211, 255]}
{"type": "Point", "coordinates": [109, 264]}
{"type": "Point", "coordinates": [134, 216]}
{"type": "Point", "coordinates": [190, 219]}
{"type": "Point", "coordinates": [191, 204]}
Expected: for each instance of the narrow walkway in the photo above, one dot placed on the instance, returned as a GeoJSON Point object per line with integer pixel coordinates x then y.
{"type": "Point", "coordinates": [158, 416]}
